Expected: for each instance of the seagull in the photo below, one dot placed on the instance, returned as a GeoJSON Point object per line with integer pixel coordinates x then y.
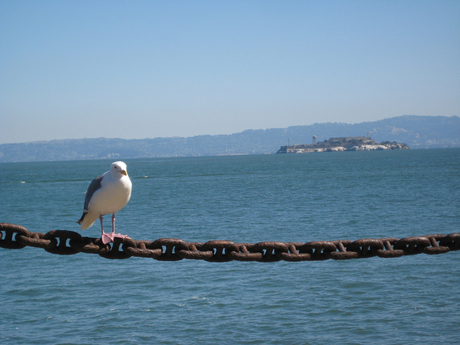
{"type": "Point", "coordinates": [107, 193]}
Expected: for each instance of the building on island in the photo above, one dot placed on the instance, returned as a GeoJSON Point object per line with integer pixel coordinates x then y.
{"type": "Point", "coordinates": [342, 144]}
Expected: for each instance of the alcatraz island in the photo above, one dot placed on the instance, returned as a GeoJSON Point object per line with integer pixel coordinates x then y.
{"type": "Point", "coordinates": [343, 144]}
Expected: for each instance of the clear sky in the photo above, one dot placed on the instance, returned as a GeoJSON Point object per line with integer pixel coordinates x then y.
{"type": "Point", "coordinates": [146, 69]}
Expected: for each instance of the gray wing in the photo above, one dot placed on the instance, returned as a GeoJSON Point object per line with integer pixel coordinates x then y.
{"type": "Point", "coordinates": [93, 187]}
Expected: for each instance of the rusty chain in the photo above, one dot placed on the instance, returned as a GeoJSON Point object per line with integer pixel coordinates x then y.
{"type": "Point", "coordinates": [65, 242]}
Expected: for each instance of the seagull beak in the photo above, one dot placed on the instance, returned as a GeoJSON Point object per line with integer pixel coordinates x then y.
{"type": "Point", "coordinates": [124, 172]}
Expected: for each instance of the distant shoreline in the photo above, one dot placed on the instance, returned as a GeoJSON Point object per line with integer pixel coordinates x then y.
{"type": "Point", "coordinates": [418, 132]}
{"type": "Point", "coordinates": [343, 144]}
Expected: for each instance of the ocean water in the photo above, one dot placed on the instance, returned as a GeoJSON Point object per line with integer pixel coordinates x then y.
{"type": "Point", "coordinates": [86, 299]}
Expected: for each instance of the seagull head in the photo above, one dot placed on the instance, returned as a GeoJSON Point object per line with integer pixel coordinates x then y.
{"type": "Point", "coordinates": [119, 168]}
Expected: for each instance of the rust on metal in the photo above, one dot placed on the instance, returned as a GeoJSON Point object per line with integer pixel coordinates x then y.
{"type": "Point", "coordinates": [65, 242]}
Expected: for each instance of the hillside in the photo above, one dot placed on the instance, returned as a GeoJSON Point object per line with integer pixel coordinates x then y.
{"type": "Point", "coordinates": [415, 131]}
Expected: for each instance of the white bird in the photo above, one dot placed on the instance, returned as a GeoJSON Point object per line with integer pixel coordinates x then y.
{"type": "Point", "coordinates": [107, 193]}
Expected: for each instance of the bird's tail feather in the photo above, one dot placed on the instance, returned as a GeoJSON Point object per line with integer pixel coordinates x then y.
{"type": "Point", "coordinates": [87, 220]}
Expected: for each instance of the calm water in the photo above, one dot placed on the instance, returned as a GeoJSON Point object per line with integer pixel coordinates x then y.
{"type": "Point", "coordinates": [86, 299]}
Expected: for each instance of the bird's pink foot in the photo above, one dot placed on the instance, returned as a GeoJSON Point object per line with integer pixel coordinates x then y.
{"type": "Point", "coordinates": [110, 237]}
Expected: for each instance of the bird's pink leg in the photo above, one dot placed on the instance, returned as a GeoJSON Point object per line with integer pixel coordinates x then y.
{"type": "Point", "coordinates": [102, 225]}
{"type": "Point", "coordinates": [107, 238]}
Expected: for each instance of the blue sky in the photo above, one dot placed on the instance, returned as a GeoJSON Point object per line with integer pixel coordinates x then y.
{"type": "Point", "coordinates": [146, 69]}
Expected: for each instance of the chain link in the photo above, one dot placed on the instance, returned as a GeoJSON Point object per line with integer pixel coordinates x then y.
{"type": "Point", "coordinates": [65, 242]}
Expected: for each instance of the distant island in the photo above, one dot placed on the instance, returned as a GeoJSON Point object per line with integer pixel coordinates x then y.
{"type": "Point", "coordinates": [418, 132]}
{"type": "Point", "coordinates": [343, 144]}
